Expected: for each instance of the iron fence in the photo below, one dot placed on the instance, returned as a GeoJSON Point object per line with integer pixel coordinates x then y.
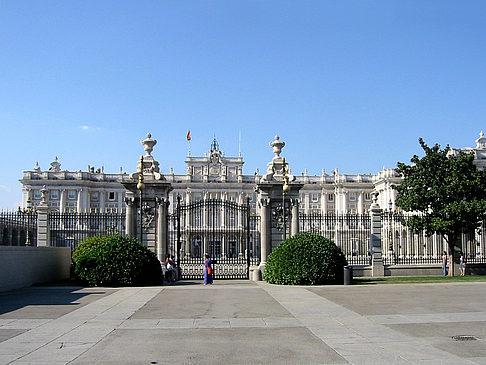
{"type": "Point", "coordinates": [68, 229]}
{"type": "Point", "coordinates": [18, 228]}
{"type": "Point", "coordinates": [403, 246]}
{"type": "Point", "coordinates": [351, 232]}
{"type": "Point", "coordinates": [223, 229]}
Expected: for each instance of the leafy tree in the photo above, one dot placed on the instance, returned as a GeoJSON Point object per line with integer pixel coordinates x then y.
{"type": "Point", "coordinates": [448, 191]}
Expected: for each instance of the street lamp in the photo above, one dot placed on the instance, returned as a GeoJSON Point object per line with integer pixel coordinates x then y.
{"type": "Point", "coordinates": [285, 190]}
{"type": "Point", "coordinates": [27, 211]}
{"type": "Point", "coordinates": [140, 187]}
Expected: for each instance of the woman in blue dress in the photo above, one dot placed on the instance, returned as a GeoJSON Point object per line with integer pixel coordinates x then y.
{"type": "Point", "coordinates": [208, 270]}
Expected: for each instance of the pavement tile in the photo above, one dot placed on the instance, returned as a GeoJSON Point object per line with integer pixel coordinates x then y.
{"type": "Point", "coordinates": [247, 322]}
{"type": "Point", "coordinates": [211, 323]}
{"type": "Point", "coordinates": [282, 322]}
{"type": "Point", "coordinates": [24, 323]}
{"type": "Point", "coordinates": [176, 323]}
{"type": "Point", "coordinates": [57, 352]}
{"type": "Point", "coordinates": [140, 323]}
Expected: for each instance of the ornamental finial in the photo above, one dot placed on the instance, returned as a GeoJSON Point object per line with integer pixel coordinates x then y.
{"type": "Point", "coordinates": [148, 144]}
{"type": "Point", "coordinates": [277, 146]}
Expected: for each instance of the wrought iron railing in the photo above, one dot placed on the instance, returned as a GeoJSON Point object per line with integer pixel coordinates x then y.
{"type": "Point", "coordinates": [403, 246]}
{"type": "Point", "coordinates": [351, 232]}
{"type": "Point", "coordinates": [68, 229]}
{"type": "Point", "coordinates": [18, 228]}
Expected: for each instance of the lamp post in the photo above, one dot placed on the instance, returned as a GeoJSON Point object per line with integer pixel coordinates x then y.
{"type": "Point", "coordinates": [140, 187]}
{"type": "Point", "coordinates": [285, 190]}
{"type": "Point", "coordinates": [27, 211]}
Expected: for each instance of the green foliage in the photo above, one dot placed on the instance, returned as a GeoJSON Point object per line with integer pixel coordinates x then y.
{"type": "Point", "coordinates": [305, 259]}
{"type": "Point", "coordinates": [446, 188]}
{"type": "Point", "coordinates": [116, 261]}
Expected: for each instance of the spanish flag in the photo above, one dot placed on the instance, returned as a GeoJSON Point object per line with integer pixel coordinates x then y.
{"type": "Point", "coordinates": [188, 135]}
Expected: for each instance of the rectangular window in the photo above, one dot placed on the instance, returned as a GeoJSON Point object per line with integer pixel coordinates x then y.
{"type": "Point", "coordinates": [197, 196]}
{"type": "Point", "coordinates": [94, 196]}
{"type": "Point", "coordinates": [367, 196]}
{"type": "Point", "coordinates": [315, 197]}
{"type": "Point", "coordinates": [111, 195]}
{"type": "Point", "coordinates": [330, 197]}
{"type": "Point", "coordinates": [54, 194]}
{"type": "Point", "coordinates": [37, 194]}
{"type": "Point", "coordinates": [71, 194]}
{"type": "Point", "coordinates": [352, 197]}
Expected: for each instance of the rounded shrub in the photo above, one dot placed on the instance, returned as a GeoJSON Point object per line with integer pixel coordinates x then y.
{"type": "Point", "coordinates": [305, 259]}
{"type": "Point", "coordinates": [116, 261]}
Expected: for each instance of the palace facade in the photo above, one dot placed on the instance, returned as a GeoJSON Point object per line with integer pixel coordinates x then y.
{"type": "Point", "coordinates": [216, 175]}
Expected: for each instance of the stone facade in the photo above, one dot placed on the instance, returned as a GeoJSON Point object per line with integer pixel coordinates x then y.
{"type": "Point", "coordinates": [215, 175]}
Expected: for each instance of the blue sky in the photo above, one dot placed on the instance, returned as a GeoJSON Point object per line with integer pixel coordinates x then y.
{"type": "Point", "coordinates": [347, 84]}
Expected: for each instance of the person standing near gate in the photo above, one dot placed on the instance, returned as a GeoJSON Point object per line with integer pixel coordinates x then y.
{"type": "Point", "coordinates": [208, 270]}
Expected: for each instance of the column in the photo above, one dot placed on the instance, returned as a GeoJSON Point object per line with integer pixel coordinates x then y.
{"type": "Point", "coordinates": [161, 228]}
{"type": "Point", "coordinates": [130, 217]}
{"type": "Point", "coordinates": [360, 203]}
{"type": "Point", "coordinates": [79, 204]}
{"type": "Point", "coordinates": [323, 202]}
{"type": "Point", "coordinates": [43, 231]}
{"type": "Point", "coordinates": [377, 268]}
{"type": "Point", "coordinates": [62, 201]}
{"type": "Point", "coordinates": [102, 200]}
{"type": "Point", "coordinates": [294, 226]}
{"type": "Point", "coordinates": [265, 230]}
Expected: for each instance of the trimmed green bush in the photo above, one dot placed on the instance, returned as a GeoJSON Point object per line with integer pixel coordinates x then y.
{"type": "Point", "coordinates": [305, 259]}
{"type": "Point", "coordinates": [116, 261]}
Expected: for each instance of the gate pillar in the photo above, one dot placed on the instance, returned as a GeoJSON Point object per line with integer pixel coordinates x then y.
{"type": "Point", "coordinates": [147, 199]}
{"type": "Point", "coordinates": [377, 265]}
{"type": "Point", "coordinates": [278, 202]}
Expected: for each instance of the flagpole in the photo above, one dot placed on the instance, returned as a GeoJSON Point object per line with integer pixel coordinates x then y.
{"type": "Point", "coordinates": [188, 137]}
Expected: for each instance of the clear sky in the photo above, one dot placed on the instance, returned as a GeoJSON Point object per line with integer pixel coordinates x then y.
{"type": "Point", "coordinates": [346, 84]}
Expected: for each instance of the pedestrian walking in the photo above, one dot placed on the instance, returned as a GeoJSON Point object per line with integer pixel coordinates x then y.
{"type": "Point", "coordinates": [208, 270]}
{"type": "Point", "coordinates": [444, 263]}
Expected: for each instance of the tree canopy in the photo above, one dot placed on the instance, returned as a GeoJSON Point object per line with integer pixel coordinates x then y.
{"type": "Point", "coordinates": [447, 190]}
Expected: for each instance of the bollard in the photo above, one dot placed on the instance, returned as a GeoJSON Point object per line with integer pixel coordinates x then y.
{"type": "Point", "coordinates": [255, 273]}
{"type": "Point", "coordinates": [348, 275]}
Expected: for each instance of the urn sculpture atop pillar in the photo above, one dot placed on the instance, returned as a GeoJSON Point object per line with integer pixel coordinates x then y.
{"type": "Point", "coordinates": [277, 146]}
{"type": "Point", "coordinates": [148, 144]}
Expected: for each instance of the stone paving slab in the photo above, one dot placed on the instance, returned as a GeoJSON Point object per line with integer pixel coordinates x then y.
{"type": "Point", "coordinates": [47, 302]}
{"type": "Point", "coordinates": [242, 322]}
{"type": "Point", "coordinates": [214, 301]}
{"type": "Point", "coordinates": [206, 346]}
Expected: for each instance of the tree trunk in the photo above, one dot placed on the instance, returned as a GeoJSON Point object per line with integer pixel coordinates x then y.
{"type": "Point", "coordinates": [455, 248]}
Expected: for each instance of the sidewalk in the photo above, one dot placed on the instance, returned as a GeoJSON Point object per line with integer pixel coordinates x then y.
{"type": "Point", "coordinates": [242, 322]}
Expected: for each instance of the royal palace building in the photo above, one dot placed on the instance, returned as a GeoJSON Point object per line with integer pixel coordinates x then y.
{"type": "Point", "coordinates": [216, 176]}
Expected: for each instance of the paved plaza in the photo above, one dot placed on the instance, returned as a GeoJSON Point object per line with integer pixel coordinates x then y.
{"type": "Point", "coordinates": [242, 322]}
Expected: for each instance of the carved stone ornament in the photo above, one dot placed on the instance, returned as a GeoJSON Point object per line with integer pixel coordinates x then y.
{"type": "Point", "coordinates": [148, 144]}
{"type": "Point", "coordinates": [148, 215]}
{"type": "Point", "coordinates": [277, 146]}
{"type": "Point", "coordinates": [55, 165]}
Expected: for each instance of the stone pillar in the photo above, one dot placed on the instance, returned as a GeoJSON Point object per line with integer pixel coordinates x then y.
{"type": "Point", "coordinates": [62, 201]}
{"type": "Point", "coordinates": [43, 231]}
{"type": "Point", "coordinates": [79, 203]}
{"type": "Point", "coordinates": [265, 230]}
{"type": "Point", "coordinates": [102, 200]}
{"type": "Point", "coordinates": [294, 226]}
{"type": "Point", "coordinates": [130, 217]}
{"type": "Point", "coordinates": [162, 210]}
{"type": "Point", "coordinates": [323, 202]}
{"type": "Point", "coordinates": [377, 266]}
